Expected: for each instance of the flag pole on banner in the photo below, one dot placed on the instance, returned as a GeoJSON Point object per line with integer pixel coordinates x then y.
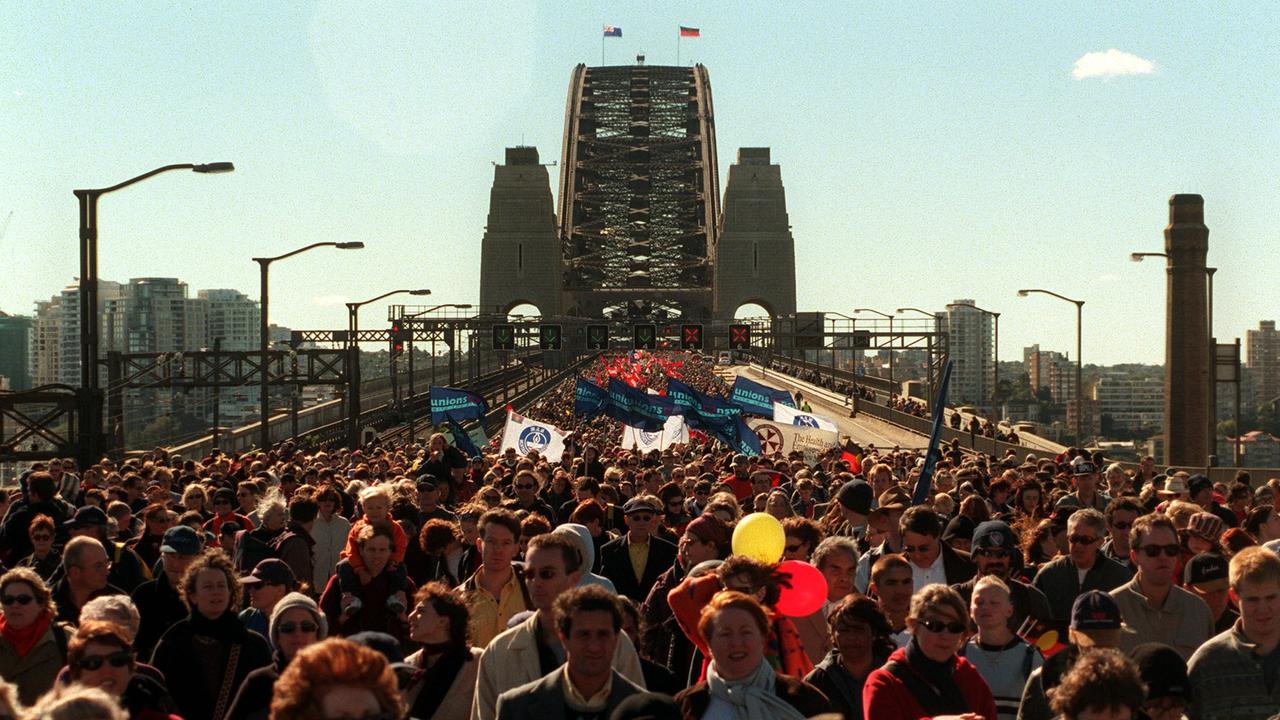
{"type": "Point", "coordinates": [924, 486]}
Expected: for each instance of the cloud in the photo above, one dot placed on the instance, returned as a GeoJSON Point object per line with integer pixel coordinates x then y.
{"type": "Point", "coordinates": [1109, 64]}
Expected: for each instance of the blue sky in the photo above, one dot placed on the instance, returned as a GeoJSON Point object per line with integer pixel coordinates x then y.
{"type": "Point", "coordinates": [929, 152]}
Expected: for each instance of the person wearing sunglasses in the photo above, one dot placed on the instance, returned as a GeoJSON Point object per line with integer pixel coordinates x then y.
{"type": "Point", "coordinates": [995, 552]}
{"type": "Point", "coordinates": [1155, 609]}
{"type": "Point", "coordinates": [45, 559]}
{"type": "Point", "coordinates": [1082, 569]}
{"type": "Point", "coordinates": [927, 678]}
{"type": "Point", "coordinates": [31, 654]}
{"type": "Point", "coordinates": [99, 655]}
{"type": "Point", "coordinates": [1120, 514]}
{"type": "Point", "coordinates": [296, 622]}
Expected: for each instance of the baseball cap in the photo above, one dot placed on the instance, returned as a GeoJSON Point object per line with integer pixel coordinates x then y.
{"type": "Point", "coordinates": [1163, 671]}
{"type": "Point", "coordinates": [272, 572]}
{"type": "Point", "coordinates": [639, 504]}
{"type": "Point", "coordinates": [1083, 467]}
{"type": "Point", "coordinates": [960, 528]}
{"type": "Point", "coordinates": [1198, 483]}
{"type": "Point", "coordinates": [1206, 526]}
{"type": "Point", "coordinates": [181, 539]}
{"type": "Point", "coordinates": [1095, 610]}
{"type": "Point", "coordinates": [709, 528]}
{"type": "Point", "coordinates": [426, 482]}
{"type": "Point", "coordinates": [1207, 572]}
{"type": "Point", "coordinates": [86, 516]}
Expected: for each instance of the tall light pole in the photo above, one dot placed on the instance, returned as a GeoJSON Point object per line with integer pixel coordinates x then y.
{"type": "Point", "coordinates": [264, 265]}
{"type": "Point", "coordinates": [890, 318]}
{"type": "Point", "coordinates": [995, 381]}
{"type": "Point", "coordinates": [1079, 361]}
{"type": "Point", "coordinates": [1212, 385]}
{"type": "Point", "coordinates": [353, 351]}
{"type": "Point", "coordinates": [91, 409]}
{"type": "Point", "coordinates": [929, 366]}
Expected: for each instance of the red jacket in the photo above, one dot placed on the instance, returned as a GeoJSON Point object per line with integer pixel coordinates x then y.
{"type": "Point", "coordinates": [884, 697]}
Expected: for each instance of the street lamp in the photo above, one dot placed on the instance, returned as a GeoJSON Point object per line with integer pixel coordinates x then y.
{"type": "Point", "coordinates": [1212, 389]}
{"type": "Point", "coordinates": [91, 411]}
{"type": "Point", "coordinates": [1079, 362]}
{"type": "Point", "coordinates": [890, 318]}
{"type": "Point", "coordinates": [353, 350]}
{"type": "Point", "coordinates": [264, 264]}
{"type": "Point", "coordinates": [995, 382]}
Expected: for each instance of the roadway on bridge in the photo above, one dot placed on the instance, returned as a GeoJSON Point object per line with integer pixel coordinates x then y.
{"type": "Point", "coordinates": [863, 430]}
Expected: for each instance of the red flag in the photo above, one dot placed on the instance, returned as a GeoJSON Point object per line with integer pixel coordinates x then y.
{"type": "Point", "coordinates": [855, 465]}
{"type": "Point", "coordinates": [689, 32]}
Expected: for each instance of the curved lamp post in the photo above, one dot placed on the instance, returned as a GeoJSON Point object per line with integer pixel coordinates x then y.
{"type": "Point", "coordinates": [264, 265]}
{"type": "Point", "coordinates": [1079, 362]}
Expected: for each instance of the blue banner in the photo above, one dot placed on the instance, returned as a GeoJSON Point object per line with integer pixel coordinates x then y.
{"type": "Point", "coordinates": [456, 405]}
{"type": "Point", "coordinates": [683, 397]}
{"type": "Point", "coordinates": [589, 399]}
{"type": "Point", "coordinates": [924, 485]}
{"type": "Point", "coordinates": [637, 408]}
{"type": "Point", "coordinates": [758, 399]}
{"type": "Point", "coordinates": [462, 440]}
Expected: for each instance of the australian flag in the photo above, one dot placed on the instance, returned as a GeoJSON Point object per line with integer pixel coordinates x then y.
{"type": "Point", "coordinates": [612, 31]}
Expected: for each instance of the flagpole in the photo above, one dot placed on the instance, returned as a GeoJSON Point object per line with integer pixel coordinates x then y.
{"type": "Point", "coordinates": [678, 35]}
{"type": "Point", "coordinates": [602, 39]}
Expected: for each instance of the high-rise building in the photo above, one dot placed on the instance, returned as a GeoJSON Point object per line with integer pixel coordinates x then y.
{"type": "Point", "coordinates": [233, 317]}
{"type": "Point", "coordinates": [1131, 403]}
{"type": "Point", "coordinates": [1262, 357]}
{"type": "Point", "coordinates": [15, 352]}
{"type": "Point", "coordinates": [55, 350]}
{"type": "Point", "coordinates": [153, 315]}
{"type": "Point", "coordinates": [1052, 370]}
{"type": "Point", "coordinates": [43, 350]}
{"type": "Point", "coordinates": [970, 331]}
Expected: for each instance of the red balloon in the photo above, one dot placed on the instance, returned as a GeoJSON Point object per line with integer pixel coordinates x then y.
{"type": "Point", "coordinates": [808, 589]}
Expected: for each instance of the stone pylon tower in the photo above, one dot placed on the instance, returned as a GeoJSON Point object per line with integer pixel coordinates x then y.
{"type": "Point", "coordinates": [755, 255]}
{"type": "Point", "coordinates": [1186, 358]}
{"type": "Point", "coordinates": [520, 253]}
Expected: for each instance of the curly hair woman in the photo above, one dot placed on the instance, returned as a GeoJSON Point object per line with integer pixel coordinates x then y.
{"type": "Point", "coordinates": [337, 679]}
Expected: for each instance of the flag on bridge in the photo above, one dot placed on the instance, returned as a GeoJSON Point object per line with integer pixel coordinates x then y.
{"type": "Point", "coordinates": [674, 432]}
{"type": "Point", "coordinates": [690, 32]}
{"type": "Point", "coordinates": [637, 408]}
{"type": "Point", "coordinates": [462, 440]}
{"type": "Point", "coordinates": [791, 416]}
{"type": "Point", "coordinates": [524, 435]}
{"type": "Point", "coordinates": [756, 398]}
{"type": "Point", "coordinates": [456, 405]}
{"type": "Point", "coordinates": [589, 399]}
{"type": "Point", "coordinates": [613, 31]}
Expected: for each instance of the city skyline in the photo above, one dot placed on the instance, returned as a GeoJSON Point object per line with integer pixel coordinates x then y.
{"type": "Point", "coordinates": [919, 151]}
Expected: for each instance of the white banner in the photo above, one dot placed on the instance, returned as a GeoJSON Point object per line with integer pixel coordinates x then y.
{"type": "Point", "coordinates": [776, 437]}
{"type": "Point", "coordinates": [791, 416]}
{"type": "Point", "coordinates": [524, 435]}
{"type": "Point", "coordinates": [674, 431]}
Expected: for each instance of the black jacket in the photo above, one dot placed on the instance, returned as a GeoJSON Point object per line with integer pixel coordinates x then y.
{"type": "Point", "coordinates": [160, 607]}
{"type": "Point", "coordinates": [615, 564]}
{"type": "Point", "coordinates": [181, 652]}
{"type": "Point", "coordinates": [253, 701]}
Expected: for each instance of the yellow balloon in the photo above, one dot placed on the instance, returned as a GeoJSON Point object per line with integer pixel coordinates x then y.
{"type": "Point", "coordinates": [759, 536]}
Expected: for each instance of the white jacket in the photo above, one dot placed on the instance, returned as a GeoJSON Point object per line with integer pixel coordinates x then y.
{"type": "Point", "coordinates": [511, 660]}
{"type": "Point", "coordinates": [331, 538]}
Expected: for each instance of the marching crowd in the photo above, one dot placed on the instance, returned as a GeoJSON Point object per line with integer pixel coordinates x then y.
{"type": "Point", "coordinates": [412, 581]}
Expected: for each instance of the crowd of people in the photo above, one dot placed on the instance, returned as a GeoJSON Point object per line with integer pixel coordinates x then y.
{"type": "Point", "coordinates": [412, 581]}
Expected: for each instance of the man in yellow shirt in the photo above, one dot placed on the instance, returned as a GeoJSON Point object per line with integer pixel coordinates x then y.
{"type": "Point", "coordinates": [497, 590]}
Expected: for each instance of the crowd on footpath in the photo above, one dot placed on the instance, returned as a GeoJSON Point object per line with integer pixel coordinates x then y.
{"type": "Point", "coordinates": [409, 580]}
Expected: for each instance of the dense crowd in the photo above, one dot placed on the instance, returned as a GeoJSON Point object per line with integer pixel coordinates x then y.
{"type": "Point", "coordinates": [412, 581]}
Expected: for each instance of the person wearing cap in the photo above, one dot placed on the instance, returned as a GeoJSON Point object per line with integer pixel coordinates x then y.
{"type": "Point", "coordinates": [1082, 569]}
{"type": "Point", "coordinates": [1202, 534]}
{"type": "Point", "coordinates": [635, 560]}
{"type": "Point", "coordinates": [588, 623]}
{"type": "Point", "coordinates": [1095, 623]}
{"type": "Point", "coordinates": [270, 581]}
{"type": "Point", "coordinates": [127, 569]}
{"type": "Point", "coordinates": [1085, 478]}
{"type": "Point", "coordinates": [1174, 488]}
{"type": "Point", "coordinates": [1234, 674]}
{"type": "Point", "coordinates": [1200, 489]}
{"type": "Point", "coordinates": [159, 601]}
{"type": "Point", "coordinates": [847, 512]}
{"type": "Point", "coordinates": [429, 501]}
{"type": "Point", "coordinates": [885, 517]}
{"type": "Point", "coordinates": [739, 478]}
{"type": "Point", "coordinates": [995, 553]}
{"type": "Point", "coordinates": [1154, 608]}
{"type": "Point", "coordinates": [1205, 575]}
{"type": "Point", "coordinates": [295, 623]}
{"type": "Point", "coordinates": [1164, 672]}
